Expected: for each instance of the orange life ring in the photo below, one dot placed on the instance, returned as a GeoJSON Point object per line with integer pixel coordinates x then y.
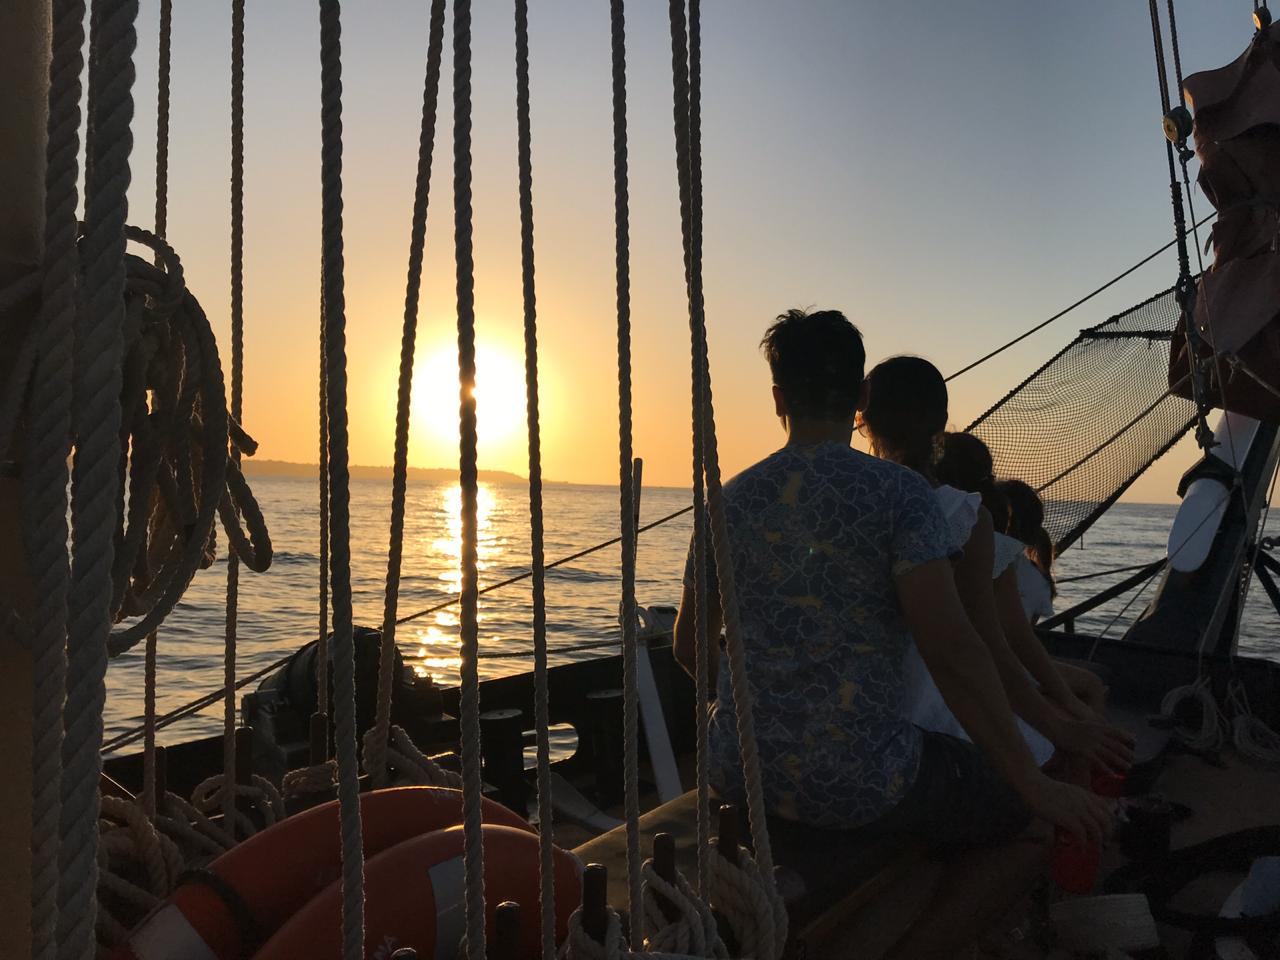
{"type": "Point", "coordinates": [414, 898]}
{"type": "Point", "coordinates": [249, 891]}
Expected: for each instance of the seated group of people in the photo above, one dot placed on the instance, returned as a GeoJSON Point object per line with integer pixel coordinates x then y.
{"type": "Point", "coordinates": [886, 616]}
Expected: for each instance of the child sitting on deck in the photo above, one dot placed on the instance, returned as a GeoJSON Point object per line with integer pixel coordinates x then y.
{"type": "Point", "coordinates": [839, 560]}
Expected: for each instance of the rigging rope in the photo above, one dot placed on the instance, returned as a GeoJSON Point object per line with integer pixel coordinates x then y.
{"type": "Point", "coordinates": [473, 852]}
{"type": "Point", "coordinates": [237, 394]}
{"type": "Point", "coordinates": [95, 482]}
{"type": "Point", "coordinates": [322, 638]}
{"type": "Point", "coordinates": [1081, 302]}
{"type": "Point", "coordinates": [47, 447]}
{"type": "Point", "coordinates": [375, 752]}
{"type": "Point", "coordinates": [688, 173]}
{"type": "Point", "coordinates": [626, 493]}
{"type": "Point", "coordinates": [343, 649]}
{"type": "Point", "coordinates": [541, 691]}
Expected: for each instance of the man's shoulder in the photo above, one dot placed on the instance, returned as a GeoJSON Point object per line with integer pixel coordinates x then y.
{"type": "Point", "coordinates": [835, 466]}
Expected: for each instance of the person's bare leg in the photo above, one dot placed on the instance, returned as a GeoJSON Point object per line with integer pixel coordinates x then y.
{"type": "Point", "coordinates": [976, 889]}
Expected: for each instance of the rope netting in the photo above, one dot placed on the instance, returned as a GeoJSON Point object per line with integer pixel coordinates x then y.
{"type": "Point", "coordinates": [1087, 424]}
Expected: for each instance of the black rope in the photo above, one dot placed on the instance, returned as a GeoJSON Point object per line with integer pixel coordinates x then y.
{"type": "Point", "coordinates": [1079, 303]}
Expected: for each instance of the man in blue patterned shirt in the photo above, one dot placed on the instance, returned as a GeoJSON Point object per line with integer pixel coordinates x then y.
{"type": "Point", "coordinates": [839, 559]}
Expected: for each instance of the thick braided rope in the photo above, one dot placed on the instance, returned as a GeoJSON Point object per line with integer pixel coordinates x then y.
{"type": "Point", "coordinates": [237, 393]}
{"type": "Point", "coordinates": [686, 162]}
{"type": "Point", "coordinates": [702, 643]}
{"type": "Point", "coordinates": [744, 895]}
{"type": "Point", "coordinates": [178, 818]}
{"type": "Point", "coordinates": [469, 694]}
{"type": "Point", "coordinates": [132, 847]}
{"type": "Point", "coordinates": [376, 746]}
{"type": "Point", "coordinates": [409, 764]}
{"type": "Point", "coordinates": [47, 447]}
{"type": "Point", "coordinates": [149, 726]}
{"type": "Point", "coordinates": [322, 639]}
{"type": "Point", "coordinates": [537, 554]}
{"type": "Point", "coordinates": [580, 945]}
{"type": "Point", "coordinates": [626, 493]}
{"type": "Point", "coordinates": [210, 795]}
{"type": "Point", "coordinates": [162, 118]}
{"type": "Point", "coordinates": [343, 649]}
{"type": "Point", "coordinates": [319, 778]}
{"type": "Point", "coordinates": [692, 932]}
{"type": "Point", "coordinates": [95, 493]}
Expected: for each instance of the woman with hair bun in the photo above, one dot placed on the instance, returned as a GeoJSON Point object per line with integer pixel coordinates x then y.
{"type": "Point", "coordinates": [905, 420]}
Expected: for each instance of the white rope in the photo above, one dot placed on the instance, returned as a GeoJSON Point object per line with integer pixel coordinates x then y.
{"type": "Point", "coordinates": [693, 931]}
{"type": "Point", "coordinates": [211, 795]}
{"type": "Point", "coordinates": [748, 899]}
{"type": "Point", "coordinates": [319, 778]}
{"type": "Point", "coordinates": [406, 764]}
{"type": "Point", "coordinates": [138, 868]}
{"type": "Point", "coordinates": [1250, 735]}
{"type": "Point", "coordinates": [1208, 735]}
{"type": "Point", "coordinates": [203, 838]}
{"type": "Point", "coordinates": [580, 945]}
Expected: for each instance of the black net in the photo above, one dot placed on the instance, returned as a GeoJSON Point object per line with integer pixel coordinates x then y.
{"type": "Point", "coordinates": [1084, 426]}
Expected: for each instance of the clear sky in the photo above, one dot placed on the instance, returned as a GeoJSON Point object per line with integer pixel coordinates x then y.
{"type": "Point", "coordinates": [946, 173]}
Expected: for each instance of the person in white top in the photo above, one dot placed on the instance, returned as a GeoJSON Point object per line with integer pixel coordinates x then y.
{"type": "Point", "coordinates": [905, 419]}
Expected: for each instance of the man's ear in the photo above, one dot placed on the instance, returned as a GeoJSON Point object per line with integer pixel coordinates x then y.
{"type": "Point", "coordinates": [864, 394]}
{"type": "Point", "coordinates": [779, 402]}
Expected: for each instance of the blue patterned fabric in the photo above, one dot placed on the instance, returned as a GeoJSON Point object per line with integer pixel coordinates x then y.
{"type": "Point", "coordinates": [818, 535]}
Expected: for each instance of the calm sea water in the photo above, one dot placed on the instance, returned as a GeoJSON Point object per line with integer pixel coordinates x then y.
{"type": "Point", "coordinates": [278, 609]}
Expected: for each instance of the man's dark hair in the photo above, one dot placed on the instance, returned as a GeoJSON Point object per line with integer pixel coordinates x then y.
{"type": "Point", "coordinates": [818, 361]}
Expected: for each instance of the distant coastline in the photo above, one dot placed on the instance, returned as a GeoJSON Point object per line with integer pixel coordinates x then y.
{"type": "Point", "coordinates": [283, 468]}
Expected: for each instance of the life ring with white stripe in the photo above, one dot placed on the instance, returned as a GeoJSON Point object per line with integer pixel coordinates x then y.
{"type": "Point", "coordinates": [414, 898]}
{"type": "Point", "coordinates": [245, 895]}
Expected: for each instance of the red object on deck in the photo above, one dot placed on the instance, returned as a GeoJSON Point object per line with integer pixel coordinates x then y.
{"type": "Point", "coordinates": [1075, 862]}
{"type": "Point", "coordinates": [1105, 783]}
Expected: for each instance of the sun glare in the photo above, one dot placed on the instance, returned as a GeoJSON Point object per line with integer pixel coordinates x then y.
{"type": "Point", "coordinates": [499, 394]}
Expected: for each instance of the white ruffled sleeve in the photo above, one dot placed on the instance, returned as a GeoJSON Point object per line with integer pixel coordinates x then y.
{"type": "Point", "coordinates": [961, 510]}
{"type": "Point", "coordinates": [1007, 551]}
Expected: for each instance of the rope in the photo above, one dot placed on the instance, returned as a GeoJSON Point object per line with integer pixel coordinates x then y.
{"type": "Point", "coordinates": [537, 556]}
{"type": "Point", "coordinates": [237, 389]}
{"type": "Point", "coordinates": [97, 377]}
{"type": "Point", "coordinates": [322, 640]}
{"type": "Point", "coordinates": [1252, 738]}
{"type": "Point", "coordinates": [149, 726]}
{"type": "Point", "coordinates": [693, 931]}
{"type": "Point", "coordinates": [469, 694]}
{"type": "Point", "coordinates": [1208, 735]}
{"type": "Point", "coordinates": [317, 779]}
{"type": "Point", "coordinates": [376, 747]}
{"type": "Point", "coordinates": [687, 161]}
{"type": "Point", "coordinates": [1102, 573]}
{"type": "Point", "coordinates": [138, 865]}
{"type": "Point", "coordinates": [211, 794]}
{"type": "Point", "coordinates": [195, 706]}
{"type": "Point", "coordinates": [47, 447]}
{"type": "Point", "coordinates": [1079, 303]}
{"type": "Point", "coordinates": [744, 895]}
{"type": "Point", "coordinates": [626, 493]}
{"type": "Point", "coordinates": [162, 118]}
{"type": "Point", "coordinates": [335, 343]}
{"type": "Point", "coordinates": [409, 764]}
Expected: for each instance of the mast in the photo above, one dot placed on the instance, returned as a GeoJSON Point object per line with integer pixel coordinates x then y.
{"type": "Point", "coordinates": [24, 74]}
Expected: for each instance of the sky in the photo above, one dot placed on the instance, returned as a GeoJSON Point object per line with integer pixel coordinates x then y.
{"type": "Point", "coordinates": [948, 174]}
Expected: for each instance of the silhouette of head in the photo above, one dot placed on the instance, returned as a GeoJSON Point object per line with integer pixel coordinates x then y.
{"type": "Point", "coordinates": [966, 464]}
{"type": "Point", "coordinates": [817, 361]}
{"type": "Point", "coordinates": [906, 411]}
{"type": "Point", "coordinates": [1026, 510]}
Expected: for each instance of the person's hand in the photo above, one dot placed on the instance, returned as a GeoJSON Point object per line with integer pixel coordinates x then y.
{"type": "Point", "coordinates": [1101, 744]}
{"type": "Point", "coordinates": [1077, 811]}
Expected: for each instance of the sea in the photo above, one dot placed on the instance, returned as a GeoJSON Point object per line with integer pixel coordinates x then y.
{"type": "Point", "coordinates": [278, 610]}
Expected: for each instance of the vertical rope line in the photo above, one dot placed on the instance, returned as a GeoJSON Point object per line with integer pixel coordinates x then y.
{"type": "Point", "coordinates": [376, 751]}
{"type": "Point", "coordinates": [162, 119]}
{"type": "Point", "coordinates": [742, 695]}
{"type": "Point", "coordinates": [47, 446]}
{"type": "Point", "coordinates": [626, 495]}
{"type": "Point", "coordinates": [702, 641]}
{"type": "Point", "coordinates": [322, 640]}
{"type": "Point", "coordinates": [161, 229]}
{"type": "Point", "coordinates": [541, 693]}
{"type": "Point", "coordinates": [469, 694]}
{"type": "Point", "coordinates": [95, 475]}
{"type": "Point", "coordinates": [237, 402]}
{"type": "Point", "coordinates": [343, 650]}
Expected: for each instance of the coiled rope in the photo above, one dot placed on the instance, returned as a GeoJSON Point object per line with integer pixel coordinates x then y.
{"type": "Point", "coordinates": [406, 764]}
{"type": "Point", "coordinates": [693, 930]}
{"type": "Point", "coordinates": [376, 746]}
{"type": "Point", "coordinates": [469, 693]}
{"type": "Point", "coordinates": [335, 352]}
{"type": "Point", "coordinates": [97, 378]}
{"type": "Point", "coordinates": [47, 447]}
{"type": "Point", "coordinates": [688, 168]}
{"type": "Point", "coordinates": [537, 556]}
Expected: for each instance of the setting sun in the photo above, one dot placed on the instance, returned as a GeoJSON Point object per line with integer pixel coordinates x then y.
{"type": "Point", "coordinates": [499, 393]}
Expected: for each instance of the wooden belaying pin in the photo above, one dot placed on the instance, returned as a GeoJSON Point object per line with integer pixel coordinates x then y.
{"type": "Point", "coordinates": [730, 833]}
{"type": "Point", "coordinates": [595, 901]}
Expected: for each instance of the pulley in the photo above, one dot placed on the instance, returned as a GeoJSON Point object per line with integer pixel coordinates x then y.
{"type": "Point", "coordinates": [1177, 125]}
